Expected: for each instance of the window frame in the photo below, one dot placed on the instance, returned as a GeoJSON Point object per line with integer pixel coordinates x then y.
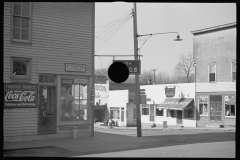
{"type": "Point", "coordinates": [30, 26]}
{"type": "Point", "coordinates": [29, 68]}
{"type": "Point", "coordinates": [203, 105]}
{"type": "Point", "coordinates": [234, 62]}
{"type": "Point", "coordinates": [209, 67]}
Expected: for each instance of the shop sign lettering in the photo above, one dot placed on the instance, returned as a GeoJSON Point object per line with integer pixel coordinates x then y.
{"type": "Point", "coordinates": [20, 95]}
{"type": "Point", "coordinates": [75, 67]}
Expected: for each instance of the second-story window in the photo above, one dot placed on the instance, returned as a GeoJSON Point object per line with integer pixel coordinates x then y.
{"type": "Point", "coordinates": [212, 72]}
{"type": "Point", "coordinates": [234, 67]}
{"type": "Point", "coordinates": [21, 22]}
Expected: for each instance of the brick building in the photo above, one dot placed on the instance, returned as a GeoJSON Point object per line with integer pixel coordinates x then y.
{"type": "Point", "coordinates": [214, 51]}
{"type": "Point", "coordinates": [48, 57]}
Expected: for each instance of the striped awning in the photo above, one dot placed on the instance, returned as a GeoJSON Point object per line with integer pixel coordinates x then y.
{"type": "Point", "coordinates": [176, 103]}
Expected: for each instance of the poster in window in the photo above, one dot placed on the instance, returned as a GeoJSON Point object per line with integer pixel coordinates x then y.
{"type": "Point", "coordinates": [18, 95]}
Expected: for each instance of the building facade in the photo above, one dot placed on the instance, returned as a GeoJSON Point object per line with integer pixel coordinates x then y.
{"type": "Point", "coordinates": [48, 55]}
{"type": "Point", "coordinates": [214, 51]}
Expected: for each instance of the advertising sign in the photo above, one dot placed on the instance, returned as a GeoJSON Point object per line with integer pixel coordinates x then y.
{"type": "Point", "coordinates": [20, 95]}
{"type": "Point", "coordinates": [170, 91]}
{"type": "Point", "coordinates": [71, 67]}
{"type": "Point", "coordinates": [134, 66]}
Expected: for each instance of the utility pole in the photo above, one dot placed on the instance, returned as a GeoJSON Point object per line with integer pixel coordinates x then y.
{"type": "Point", "coordinates": [137, 90]}
{"type": "Point", "coordinates": [154, 75]}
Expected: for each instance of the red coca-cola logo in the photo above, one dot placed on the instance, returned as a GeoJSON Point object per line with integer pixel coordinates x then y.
{"type": "Point", "coordinates": [20, 96]}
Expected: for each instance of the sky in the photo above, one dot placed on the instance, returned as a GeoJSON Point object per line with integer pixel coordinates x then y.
{"type": "Point", "coordinates": [160, 51]}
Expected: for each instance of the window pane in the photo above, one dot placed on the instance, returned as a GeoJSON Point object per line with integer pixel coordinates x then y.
{"type": "Point", "coordinates": [212, 77]}
{"type": "Point", "coordinates": [227, 110]}
{"type": "Point", "coordinates": [205, 109]}
{"type": "Point", "coordinates": [25, 34]}
{"type": "Point", "coordinates": [25, 23]}
{"type": "Point", "coordinates": [201, 109]}
{"type": "Point", "coordinates": [16, 21]}
{"type": "Point", "coordinates": [19, 68]}
{"type": "Point", "coordinates": [234, 67]}
{"type": "Point", "coordinates": [17, 8]}
{"type": "Point", "coordinates": [159, 112]}
{"type": "Point", "coordinates": [25, 10]}
{"type": "Point", "coordinates": [212, 68]}
{"type": "Point", "coordinates": [16, 33]}
{"type": "Point", "coordinates": [232, 110]}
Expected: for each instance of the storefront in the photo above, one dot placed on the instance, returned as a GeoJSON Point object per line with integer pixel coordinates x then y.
{"type": "Point", "coordinates": [48, 73]}
{"type": "Point", "coordinates": [53, 108]}
{"type": "Point", "coordinates": [101, 98]}
{"type": "Point", "coordinates": [172, 103]}
{"type": "Point", "coordinates": [216, 108]}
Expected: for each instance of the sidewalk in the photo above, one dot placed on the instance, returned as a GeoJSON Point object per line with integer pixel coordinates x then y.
{"type": "Point", "coordinates": [145, 126]}
{"type": "Point", "coordinates": [68, 147]}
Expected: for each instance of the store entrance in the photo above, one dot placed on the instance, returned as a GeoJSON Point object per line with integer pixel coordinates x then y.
{"type": "Point", "coordinates": [47, 110]}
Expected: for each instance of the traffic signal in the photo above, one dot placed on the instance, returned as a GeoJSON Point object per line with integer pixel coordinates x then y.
{"type": "Point", "coordinates": [143, 97]}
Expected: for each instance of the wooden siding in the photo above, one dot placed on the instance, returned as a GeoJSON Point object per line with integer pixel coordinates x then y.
{"type": "Point", "coordinates": [20, 121]}
{"type": "Point", "coordinates": [61, 33]}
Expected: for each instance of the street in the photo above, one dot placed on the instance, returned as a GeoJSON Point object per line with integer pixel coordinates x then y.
{"type": "Point", "coordinates": [124, 143]}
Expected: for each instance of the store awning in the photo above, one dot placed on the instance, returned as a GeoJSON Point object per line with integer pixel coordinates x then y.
{"type": "Point", "coordinates": [231, 101]}
{"type": "Point", "coordinates": [176, 103]}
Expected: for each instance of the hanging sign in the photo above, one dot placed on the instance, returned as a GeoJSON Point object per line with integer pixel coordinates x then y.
{"type": "Point", "coordinates": [134, 66]}
{"type": "Point", "coordinates": [20, 95]}
{"type": "Point", "coordinates": [170, 91]}
{"type": "Point", "coordinates": [71, 67]}
{"type": "Point", "coordinates": [82, 81]}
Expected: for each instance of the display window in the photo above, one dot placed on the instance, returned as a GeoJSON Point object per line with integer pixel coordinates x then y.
{"type": "Point", "coordinates": [203, 105]}
{"type": "Point", "coordinates": [73, 100]}
{"type": "Point", "coordinates": [230, 108]}
{"type": "Point", "coordinates": [171, 113]}
{"type": "Point", "coordinates": [159, 111]}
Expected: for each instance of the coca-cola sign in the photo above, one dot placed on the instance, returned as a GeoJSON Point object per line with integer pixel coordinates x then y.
{"type": "Point", "coordinates": [20, 95]}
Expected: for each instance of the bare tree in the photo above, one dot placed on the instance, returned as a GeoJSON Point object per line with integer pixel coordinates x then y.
{"type": "Point", "coordinates": [184, 68]}
{"type": "Point", "coordinates": [145, 77]}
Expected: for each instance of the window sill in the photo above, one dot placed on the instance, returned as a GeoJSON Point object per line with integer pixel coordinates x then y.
{"type": "Point", "coordinates": [20, 77]}
{"type": "Point", "coordinates": [204, 115]}
{"type": "Point", "coordinates": [21, 42]}
{"type": "Point", "coordinates": [230, 117]}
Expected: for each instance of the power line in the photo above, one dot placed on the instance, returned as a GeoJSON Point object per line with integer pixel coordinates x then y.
{"type": "Point", "coordinates": [113, 44]}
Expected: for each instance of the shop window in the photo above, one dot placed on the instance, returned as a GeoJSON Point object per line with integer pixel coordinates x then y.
{"type": "Point", "coordinates": [114, 113]}
{"type": "Point", "coordinates": [212, 72]}
{"type": "Point", "coordinates": [145, 109]}
{"type": "Point", "coordinates": [21, 22]}
{"type": "Point", "coordinates": [230, 109]}
{"type": "Point", "coordinates": [134, 113]}
{"type": "Point", "coordinates": [159, 111]}
{"type": "Point", "coordinates": [234, 71]}
{"type": "Point", "coordinates": [203, 105]}
{"type": "Point", "coordinates": [171, 113]}
{"type": "Point", "coordinates": [73, 100]}
{"type": "Point", "coordinates": [21, 68]}
{"type": "Point", "coordinates": [189, 113]}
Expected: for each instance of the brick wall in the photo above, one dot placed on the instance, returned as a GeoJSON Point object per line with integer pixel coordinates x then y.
{"type": "Point", "coordinates": [218, 46]}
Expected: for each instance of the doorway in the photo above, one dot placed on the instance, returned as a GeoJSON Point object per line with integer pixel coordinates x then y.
{"type": "Point", "coordinates": [47, 110]}
{"type": "Point", "coordinates": [179, 117]}
{"type": "Point", "coordinates": [216, 108]}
